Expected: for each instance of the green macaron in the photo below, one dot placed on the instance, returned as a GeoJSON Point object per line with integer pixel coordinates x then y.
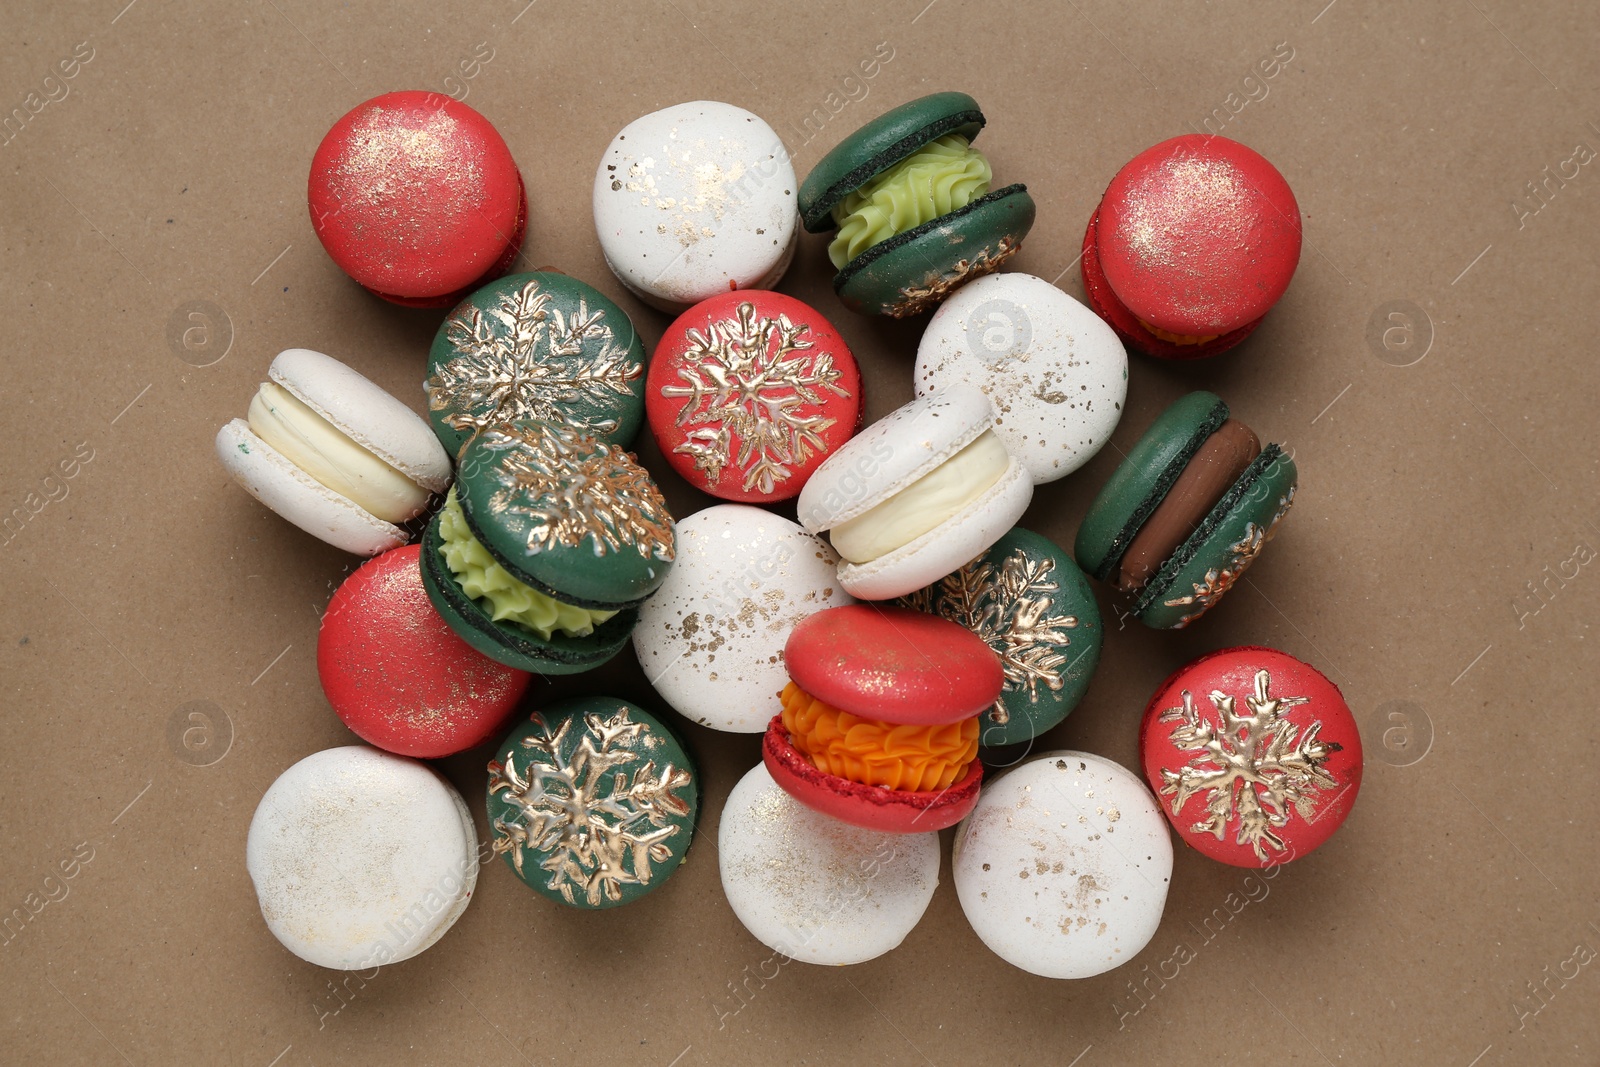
{"type": "Point", "coordinates": [1030, 602]}
{"type": "Point", "coordinates": [537, 347]}
{"type": "Point", "coordinates": [1228, 523]}
{"type": "Point", "coordinates": [546, 545]}
{"type": "Point", "coordinates": [913, 206]}
{"type": "Point", "coordinates": [593, 802]}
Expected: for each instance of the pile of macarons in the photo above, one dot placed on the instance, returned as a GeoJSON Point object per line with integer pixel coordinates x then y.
{"type": "Point", "coordinates": [862, 601]}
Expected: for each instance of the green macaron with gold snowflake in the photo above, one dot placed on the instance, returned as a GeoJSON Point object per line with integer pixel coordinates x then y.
{"type": "Point", "coordinates": [545, 547]}
{"type": "Point", "coordinates": [914, 207]}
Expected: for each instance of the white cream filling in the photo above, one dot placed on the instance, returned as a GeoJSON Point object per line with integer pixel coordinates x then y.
{"type": "Point", "coordinates": [325, 452]}
{"type": "Point", "coordinates": [924, 504]}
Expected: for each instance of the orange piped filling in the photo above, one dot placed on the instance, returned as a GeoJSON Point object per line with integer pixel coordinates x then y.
{"type": "Point", "coordinates": [894, 755]}
{"type": "Point", "coordinates": [1179, 338]}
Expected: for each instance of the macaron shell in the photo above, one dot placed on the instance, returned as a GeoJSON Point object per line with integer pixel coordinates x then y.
{"type": "Point", "coordinates": [539, 346]}
{"type": "Point", "coordinates": [1055, 372]}
{"type": "Point", "coordinates": [711, 639]}
{"type": "Point", "coordinates": [749, 392]}
{"type": "Point", "coordinates": [893, 664]}
{"type": "Point", "coordinates": [1302, 774]}
{"type": "Point", "coordinates": [879, 145]}
{"type": "Point", "coordinates": [1207, 565]}
{"type": "Point", "coordinates": [512, 645]}
{"type": "Point", "coordinates": [892, 453]}
{"type": "Point", "coordinates": [398, 675]}
{"type": "Point", "coordinates": [372, 418]}
{"type": "Point", "coordinates": [694, 200]}
{"type": "Point", "coordinates": [872, 807]}
{"type": "Point", "coordinates": [1033, 606]}
{"type": "Point", "coordinates": [816, 889]}
{"type": "Point", "coordinates": [415, 195]}
{"type": "Point", "coordinates": [1063, 866]}
{"type": "Point", "coordinates": [1199, 235]}
{"type": "Point", "coordinates": [265, 474]}
{"type": "Point", "coordinates": [947, 546]}
{"type": "Point", "coordinates": [914, 271]}
{"type": "Point", "coordinates": [361, 858]}
{"type": "Point", "coordinates": [1140, 481]}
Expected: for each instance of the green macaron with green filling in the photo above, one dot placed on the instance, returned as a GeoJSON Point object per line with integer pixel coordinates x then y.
{"type": "Point", "coordinates": [912, 202]}
{"type": "Point", "coordinates": [1186, 512]}
{"type": "Point", "coordinates": [545, 547]}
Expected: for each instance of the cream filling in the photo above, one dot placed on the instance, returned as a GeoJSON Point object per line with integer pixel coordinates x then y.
{"type": "Point", "coordinates": [925, 503]}
{"type": "Point", "coordinates": [325, 452]}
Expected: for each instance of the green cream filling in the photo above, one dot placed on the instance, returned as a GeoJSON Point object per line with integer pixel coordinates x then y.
{"type": "Point", "coordinates": [940, 177]}
{"type": "Point", "coordinates": [509, 600]}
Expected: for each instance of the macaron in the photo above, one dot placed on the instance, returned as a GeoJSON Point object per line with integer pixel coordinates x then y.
{"type": "Point", "coordinates": [334, 454]}
{"type": "Point", "coordinates": [749, 392]}
{"type": "Point", "coordinates": [711, 639]}
{"type": "Point", "coordinates": [916, 494]}
{"type": "Point", "coordinates": [361, 858]}
{"type": "Point", "coordinates": [592, 802]}
{"type": "Point", "coordinates": [695, 200]}
{"type": "Point", "coordinates": [1033, 606]}
{"type": "Point", "coordinates": [1254, 754]}
{"type": "Point", "coordinates": [536, 347]}
{"type": "Point", "coordinates": [1193, 243]}
{"type": "Point", "coordinates": [914, 207]}
{"type": "Point", "coordinates": [545, 547]}
{"type": "Point", "coordinates": [1189, 508]}
{"type": "Point", "coordinates": [1063, 867]}
{"type": "Point", "coordinates": [416, 197]}
{"type": "Point", "coordinates": [879, 726]}
{"type": "Point", "coordinates": [815, 889]}
{"type": "Point", "coordinates": [1056, 374]}
{"type": "Point", "coordinates": [397, 674]}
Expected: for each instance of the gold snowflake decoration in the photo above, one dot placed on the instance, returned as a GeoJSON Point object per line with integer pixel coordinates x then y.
{"type": "Point", "coordinates": [520, 360]}
{"type": "Point", "coordinates": [1253, 767]}
{"type": "Point", "coordinates": [570, 486]}
{"type": "Point", "coordinates": [1009, 607]}
{"type": "Point", "coordinates": [914, 300]}
{"type": "Point", "coordinates": [749, 379]}
{"type": "Point", "coordinates": [1219, 580]}
{"type": "Point", "coordinates": [592, 826]}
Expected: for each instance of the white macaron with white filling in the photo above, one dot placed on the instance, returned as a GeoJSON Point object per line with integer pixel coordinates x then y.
{"type": "Point", "coordinates": [917, 494]}
{"type": "Point", "coordinates": [361, 858]}
{"type": "Point", "coordinates": [334, 454]}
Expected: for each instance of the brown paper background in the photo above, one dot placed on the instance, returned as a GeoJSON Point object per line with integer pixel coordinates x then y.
{"type": "Point", "coordinates": [174, 170]}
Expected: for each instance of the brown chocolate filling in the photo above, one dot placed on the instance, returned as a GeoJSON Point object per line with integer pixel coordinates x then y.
{"type": "Point", "coordinates": [1205, 481]}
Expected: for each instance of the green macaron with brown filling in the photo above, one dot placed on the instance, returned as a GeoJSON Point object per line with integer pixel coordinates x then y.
{"type": "Point", "coordinates": [545, 547]}
{"type": "Point", "coordinates": [914, 207]}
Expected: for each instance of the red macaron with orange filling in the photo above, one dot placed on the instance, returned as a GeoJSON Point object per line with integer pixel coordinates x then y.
{"type": "Point", "coordinates": [879, 726]}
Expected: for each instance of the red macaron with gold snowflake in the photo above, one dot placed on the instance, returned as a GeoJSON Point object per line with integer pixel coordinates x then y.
{"type": "Point", "coordinates": [879, 726]}
{"type": "Point", "coordinates": [1253, 755]}
{"type": "Point", "coordinates": [749, 392]}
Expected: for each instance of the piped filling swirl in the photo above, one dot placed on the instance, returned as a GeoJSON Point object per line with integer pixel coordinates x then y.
{"type": "Point", "coordinates": [509, 600]}
{"type": "Point", "coordinates": [942, 176]}
{"type": "Point", "coordinates": [894, 755]}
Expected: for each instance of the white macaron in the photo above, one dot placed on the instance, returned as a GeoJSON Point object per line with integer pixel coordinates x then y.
{"type": "Point", "coordinates": [334, 454]}
{"type": "Point", "coordinates": [361, 858]}
{"type": "Point", "coordinates": [1063, 867]}
{"type": "Point", "coordinates": [711, 638]}
{"type": "Point", "coordinates": [1054, 370]}
{"type": "Point", "coordinates": [916, 494]}
{"type": "Point", "coordinates": [816, 889]}
{"type": "Point", "coordinates": [693, 200]}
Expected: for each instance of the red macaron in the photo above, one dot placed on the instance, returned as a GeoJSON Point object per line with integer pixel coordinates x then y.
{"type": "Point", "coordinates": [1193, 243]}
{"type": "Point", "coordinates": [879, 725]}
{"type": "Point", "coordinates": [748, 392]}
{"type": "Point", "coordinates": [417, 198]}
{"type": "Point", "coordinates": [398, 675]}
{"type": "Point", "coordinates": [1253, 754]}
